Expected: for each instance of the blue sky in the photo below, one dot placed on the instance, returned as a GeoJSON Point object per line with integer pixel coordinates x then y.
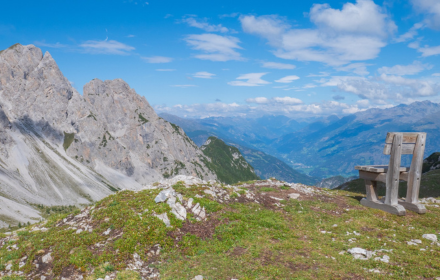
{"type": "Point", "coordinates": [248, 58]}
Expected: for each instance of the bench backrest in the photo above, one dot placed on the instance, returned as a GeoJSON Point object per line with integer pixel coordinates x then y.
{"type": "Point", "coordinates": [409, 140]}
{"type": "Point", "coordinates": [396, 144]}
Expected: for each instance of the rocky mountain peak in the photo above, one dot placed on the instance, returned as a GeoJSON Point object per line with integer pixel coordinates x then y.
{"type": "Point", "coordinates": [62, 148]}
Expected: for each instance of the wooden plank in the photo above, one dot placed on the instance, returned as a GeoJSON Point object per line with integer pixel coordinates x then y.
{"type": "Point", "coordinates": [380, 177]}
{"type": "Point", "coordinates": [393, 209]}
{"type": "Point", "coordinates": [415, 172]}
{"type": "Point", "coordinates": [418, 208]}
{"type": "Point", "coordinates": [407, 149]}
{"type": "Point", "coordinates": [371, 187]}
{"type": "Point", "coordinates": [370, 176]}
{"type": "Point", "coordinates": [408, 137]}
{"type": "Point", "coordinates": [378, 168]}
{"type": "Point", "coordinates": [393, 173]}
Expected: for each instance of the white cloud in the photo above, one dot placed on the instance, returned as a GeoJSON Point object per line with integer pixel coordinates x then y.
{"type": "Point", "coordinates": [385, 88]}
{"type": "Point", "coordinates": [258, 100]}
{"type": "Point", "coordinates": [165, 70]}
{"type": "Point", "coordinates": [431, 10]}
{"type": "Point", "coordinates": [412, 32]}
{"type": "Point", "coordinates": [287, 79]}
{"type": "Point", "coordinates": [277, 65]}
{"type": "Point", "coordinates": [106, 47]}
{"type": "Point", "coordinates": [57, 45]}
{"type": "Point", "coordinates": [309, 86]}
{"type": "Point", "coordinates": [280, 100]}
{"type": "Point", "coordinates": [203, 24]}
{"type": "Point", "coordinates": [436, 74]}
{"type": "Point", "coordinates": [321, 74]}
{"type": "Point", "coordinates": [356, 32]}
{"type": "Point", "coordinates": [256, 107]}
{"type": "Point", "coordinates": [357, 68]}
{"type": "Point", "coordinates": [215, 47]}
{"type": "Point", "coordinates": [402, 70]}
{"type": "Point", "coordinates": [184, 86]}
{"type": "Point", "coordinates": [203, 75]}
{"type": "Point", "coordinates": [157, 59]}
{"type": "Point", "coordinates": [252, 80]}
{"type": "Point", "coordinates": [287, 100]}
{"type": "Point", "coordinates": [429, 51]}
{"type": "Point", "coordinates": [131, 36]}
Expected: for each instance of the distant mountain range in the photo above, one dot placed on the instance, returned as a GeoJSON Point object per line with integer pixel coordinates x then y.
{"type": "Point", "coordinates": [248, 141]}
{"type": "Point", "coordinates": [323, 147]}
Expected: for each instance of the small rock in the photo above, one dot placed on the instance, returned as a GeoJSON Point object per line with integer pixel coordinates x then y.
{"type": "Point", "coordinates": [431, 237]}
{"type": "Point", "coordinates": [198, 277]}
{"type": "Point", "coordinates": [385, 259]}
{"type": "Point", "coordinates": [164, 218]}
{"type": "Point", "coordinates": [164, 195]}
{"type": "Point", "coordinates": [107, 232]}
{"type": "Point", "coordinates": [359, 253]}
{"type": "Point", "coordinates": [293, 195]}
{"type": "Point", "coordinates": [78, 231]}
{"type": "Point", "coordinates": [47, 258]}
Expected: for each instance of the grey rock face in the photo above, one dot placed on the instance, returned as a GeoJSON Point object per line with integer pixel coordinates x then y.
{"type": "Point", "coordinates": [61, 148]}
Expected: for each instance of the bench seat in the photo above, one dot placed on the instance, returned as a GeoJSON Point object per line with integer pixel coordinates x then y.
{"type": "Point", "coordinates": [378, 168]}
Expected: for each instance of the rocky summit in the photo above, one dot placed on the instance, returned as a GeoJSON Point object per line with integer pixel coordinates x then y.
{"type": "Point", "coordinates": [61, 148]}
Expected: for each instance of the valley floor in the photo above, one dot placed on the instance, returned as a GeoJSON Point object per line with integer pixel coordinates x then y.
{"type": "Point", "coordinates": [252, 230]}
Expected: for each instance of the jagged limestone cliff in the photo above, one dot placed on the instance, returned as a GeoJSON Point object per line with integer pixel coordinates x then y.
{"type": "Point", "coordinates": [61, 148]}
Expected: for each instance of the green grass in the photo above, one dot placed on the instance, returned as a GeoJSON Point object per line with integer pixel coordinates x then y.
{"type": "Point", "coordinates": [68, 139]}
{"type": "Point", "coordinates": [249, 241]}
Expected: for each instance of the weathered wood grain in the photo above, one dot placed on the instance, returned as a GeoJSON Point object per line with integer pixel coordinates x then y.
{"type": "Point", "coordinates": [415, 207]}
{"type": "Point", "coordinates": [408, 137]}
{"type": "Point", "coordinates": [415, 172]}
{"type": "Point", "coordinates": [407, 149]}
{"type": "Point", "coordinates": [393, 173]}
{"type": "Point", "coordinates": [371, 187]}
{"type": "Point", "coordinates": [378, 168]}
{"type": "Point", "coordinates": [393, 209]}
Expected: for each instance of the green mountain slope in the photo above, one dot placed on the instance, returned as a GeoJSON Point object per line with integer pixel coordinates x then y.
{"type": "Point", "coordinates": [265, 165]}
{"type": "Point", "coordinates": [227, 162]}
{"type": "Point", "coordinates": [431, 163]}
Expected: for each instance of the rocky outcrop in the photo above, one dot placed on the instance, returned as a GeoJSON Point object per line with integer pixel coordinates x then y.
{"type": "Point", "coordinates": [61, 148]}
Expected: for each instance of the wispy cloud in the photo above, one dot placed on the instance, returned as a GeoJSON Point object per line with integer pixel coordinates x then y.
{"type": "Point", "coordinates": [287, 79]}
{"type": "Point", "coordinates": [203, 75]}
{"type": "Point", "coordinates": [204, 25]}
{"type": "Point", "coordinates": [157, 59]}
{"type": "Point", "coordinates": [277, 65]}
{"type": "Point", "coordinates": [165, 70]}
{"type": "Point", "coordinates": [436, 75]}
{"type": "Point", "coordinates": [251, 80]}
{"type": "Point", "coordinates": [321, 74]}
{"type": "Point", "coordinates": [131, 36]}
{"type": "Point", "coordinates": [215, 47]}
{"type": "Point", "coordinates": [402, 70]}
{"type": "Point", "coordinates": [106, 47]}
{"type": "Point", "coordinates": [431, 10]}
{"type": "Point", "coordinates": [57, 45]}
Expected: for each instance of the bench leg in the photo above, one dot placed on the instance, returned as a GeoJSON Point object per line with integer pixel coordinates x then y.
{"type": "Point", "coordinates": [373, 202]}
{"type": "Point", "coordinates": [393, 209]}
{"type": "Point", "coordinates": [371, 187]}
{"type": "Point", "coordinates": [416, 207]}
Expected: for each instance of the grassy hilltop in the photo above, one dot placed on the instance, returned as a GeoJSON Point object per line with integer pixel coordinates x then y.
{"type": "Point", "coordinates": [251, 230]}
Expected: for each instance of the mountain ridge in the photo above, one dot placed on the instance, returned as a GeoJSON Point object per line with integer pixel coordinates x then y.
{"type": "Point", "coordinates": [61, 148]}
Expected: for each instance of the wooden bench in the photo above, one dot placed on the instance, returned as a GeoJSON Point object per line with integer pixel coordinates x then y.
{"type": "Point", "coordinates": [396, 144]}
